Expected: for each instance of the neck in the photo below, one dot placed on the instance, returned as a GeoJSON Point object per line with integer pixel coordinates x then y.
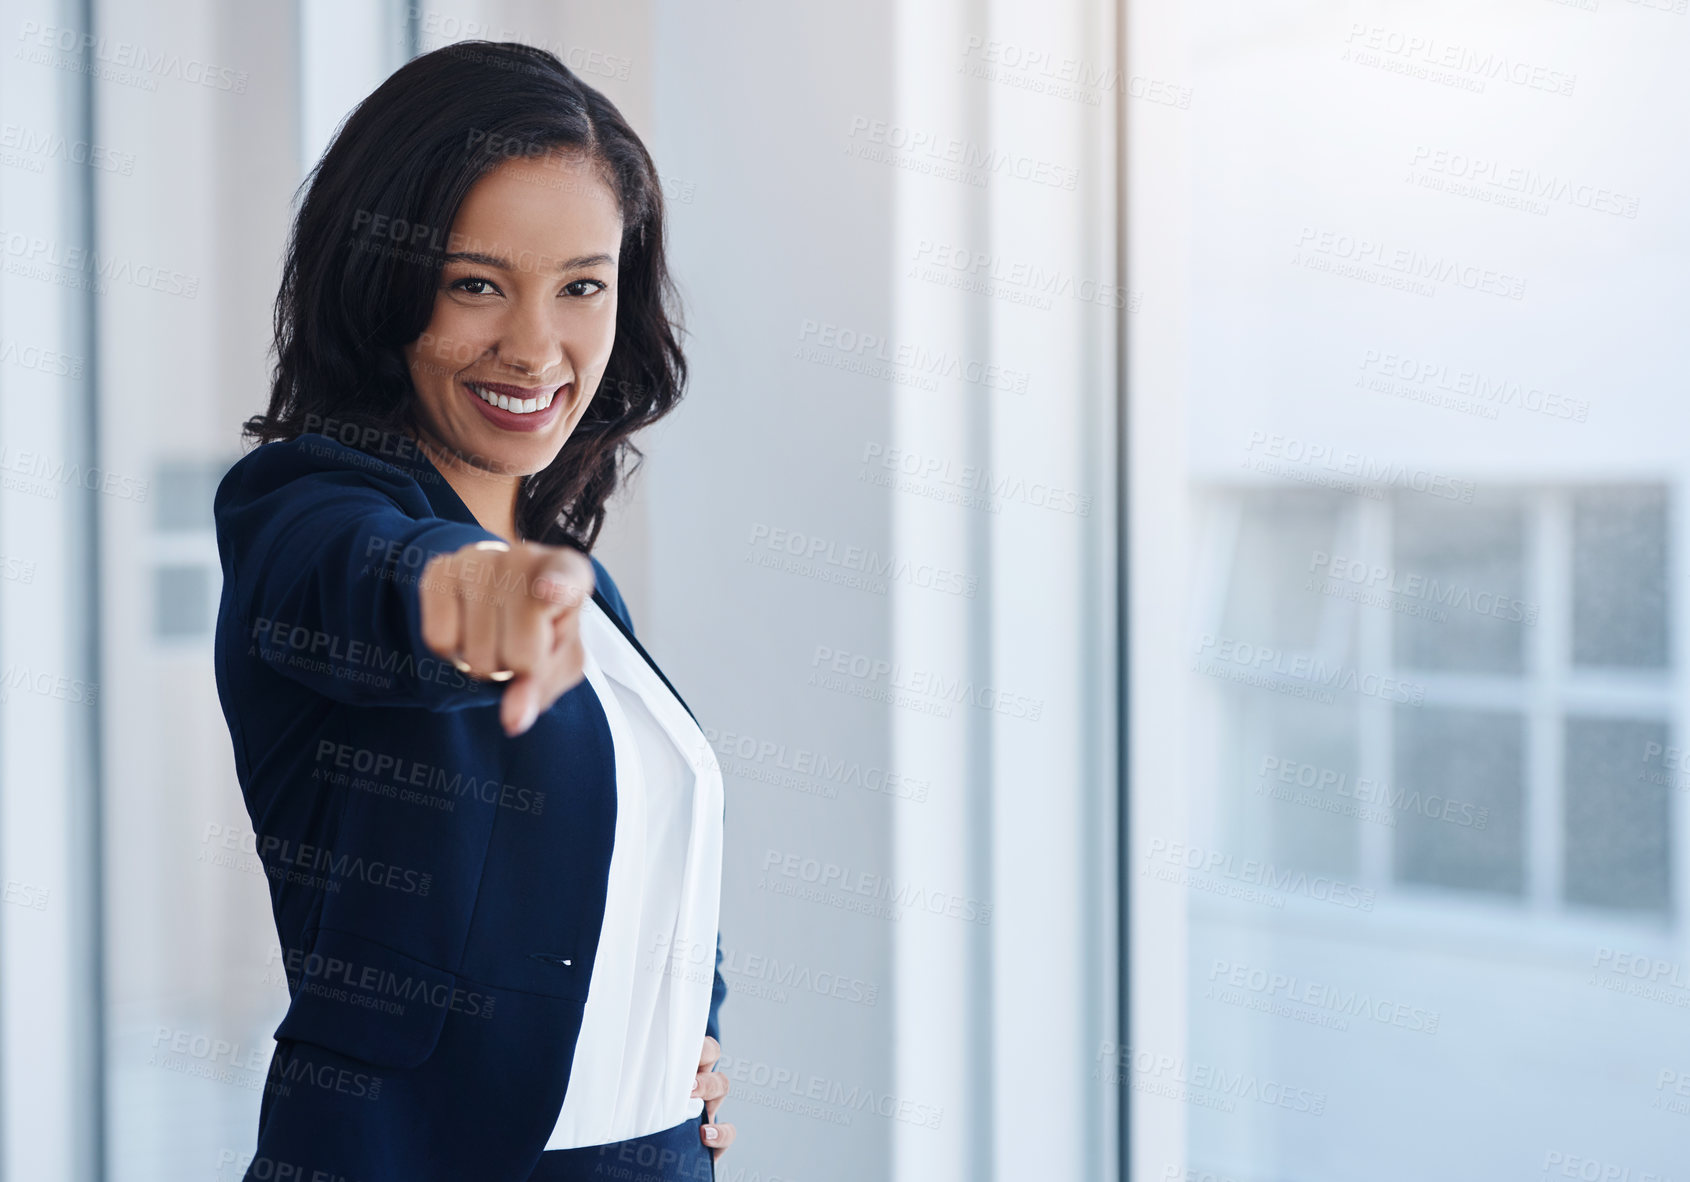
{"type": "Point", "coordinates": [491, 497]}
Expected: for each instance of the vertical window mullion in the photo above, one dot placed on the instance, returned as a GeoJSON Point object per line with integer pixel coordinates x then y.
{"type": "Point", "coordinates": [1678, 708]}
{"type": "Point", "coordinates": [1549, 648]}
{"type": "Point", "coordinates": [1375, 649]}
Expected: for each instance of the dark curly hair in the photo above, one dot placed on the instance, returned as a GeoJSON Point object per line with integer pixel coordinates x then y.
{"type": "Point", "coordinates": [366, 249]}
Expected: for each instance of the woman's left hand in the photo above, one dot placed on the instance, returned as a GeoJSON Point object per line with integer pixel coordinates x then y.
{"type": "Point", "coordinates": [712, 1085]}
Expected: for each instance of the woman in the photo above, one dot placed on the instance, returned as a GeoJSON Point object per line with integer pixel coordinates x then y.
{"type": "Point", "coordinates": [491, 826]}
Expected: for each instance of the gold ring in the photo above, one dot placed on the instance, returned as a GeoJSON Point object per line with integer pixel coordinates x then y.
{"type": "Point", "coordinates": [463, 666]}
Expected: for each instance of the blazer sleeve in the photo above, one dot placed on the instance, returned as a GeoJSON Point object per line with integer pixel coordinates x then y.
{"type": "Point", "coordinates": [718, 987]}
{"type": "Point", "coordinates": [322, 550]}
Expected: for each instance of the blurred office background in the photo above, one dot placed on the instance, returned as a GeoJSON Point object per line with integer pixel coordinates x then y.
{"type": "Point", "coordinates": [1262, 757]}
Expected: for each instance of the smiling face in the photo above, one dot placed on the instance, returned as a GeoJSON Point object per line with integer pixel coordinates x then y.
{"type": "Point", "coordinates": [524, 316]}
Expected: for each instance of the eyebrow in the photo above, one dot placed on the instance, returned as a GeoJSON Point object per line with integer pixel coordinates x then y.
{"type": "Point", "coordinates": [490, 260]}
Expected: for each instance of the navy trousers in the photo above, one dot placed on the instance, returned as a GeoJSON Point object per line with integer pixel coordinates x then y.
{"type": "Point", "coordinates": [674, 1154]}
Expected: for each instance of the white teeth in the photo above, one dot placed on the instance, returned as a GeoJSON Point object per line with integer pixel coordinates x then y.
{"type": "Point", "coordinates": [518, 406]}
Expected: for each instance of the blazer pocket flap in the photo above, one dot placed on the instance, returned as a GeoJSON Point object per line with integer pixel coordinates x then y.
{"type": "Point", "coordinates": [367, 1001]}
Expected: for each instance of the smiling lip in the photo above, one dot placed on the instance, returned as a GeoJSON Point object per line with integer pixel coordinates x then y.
{"type": "Point", "coordinates": [513, 420]}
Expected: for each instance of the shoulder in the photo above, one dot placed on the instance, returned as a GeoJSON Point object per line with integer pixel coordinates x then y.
{"type": "Point", "coordinates": [607, 587]}
{"type": "Point", "coordinates": [322, 464]}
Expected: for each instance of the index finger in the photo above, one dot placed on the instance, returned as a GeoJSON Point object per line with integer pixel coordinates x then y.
{"type": "Point", "coordinates": [707, 1056]}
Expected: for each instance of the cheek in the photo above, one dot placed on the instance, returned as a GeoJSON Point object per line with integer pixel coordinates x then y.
{"type": "Point", "coordinates": [603, 331]}
{"type": "Point", "coordinates": [451, 341]}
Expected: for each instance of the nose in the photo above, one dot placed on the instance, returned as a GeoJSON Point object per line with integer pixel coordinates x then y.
{"type": "Point", "coordinates": [531, 340]}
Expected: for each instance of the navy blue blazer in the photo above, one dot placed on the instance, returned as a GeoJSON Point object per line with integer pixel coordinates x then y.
{"type": "Point", "coordinates": [438, 886]}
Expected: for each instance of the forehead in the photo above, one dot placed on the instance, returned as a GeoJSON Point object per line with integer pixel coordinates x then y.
{"type": "Point", "coordinates": [553, 204]}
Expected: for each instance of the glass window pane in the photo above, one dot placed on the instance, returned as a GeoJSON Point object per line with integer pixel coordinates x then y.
{"type": "Point", "coordinates": [1462, 821]}
{"type": "Point", "coordinates": [1618, 796]}
{"type": "Point", "coordinates": [1376, 249]}
{"type": "Point", "coordinates": [182, 603]}
{"type": "Point", "coordinates": [1459, 581]}
{"type": "Point", "coordinates": [183, 490]}
{"type": "Point", "coordinates": [1297, 801]}
{"type": "Point", "coordinates": [1620, 577]}
{"type": "Point", "coordinates": [1281, 535]}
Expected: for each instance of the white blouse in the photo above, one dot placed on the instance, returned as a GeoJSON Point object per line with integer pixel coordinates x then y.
{"type": "Point", "coordinates": [649, 995]}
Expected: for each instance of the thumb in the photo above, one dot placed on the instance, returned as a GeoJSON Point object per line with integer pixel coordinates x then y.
{"type": "Point", "coordinates": [519, 706]}
{"type": "Point", "coordinates": [563, 577]}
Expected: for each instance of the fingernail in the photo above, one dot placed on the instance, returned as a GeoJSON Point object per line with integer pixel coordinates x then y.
{"type": "Point", "coordinates": [709, 1132]}
{"type": "Point", "coordinates": [528, 716]}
